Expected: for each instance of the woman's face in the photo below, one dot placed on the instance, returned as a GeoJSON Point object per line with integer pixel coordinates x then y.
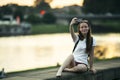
{"type": "Point", "coordinates": [84, 28]}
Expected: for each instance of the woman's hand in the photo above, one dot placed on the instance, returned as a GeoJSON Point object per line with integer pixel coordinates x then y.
{"type": "Point", "coordinates": [93, 70]}
{"type": "Point", "coordinates": [73, 21]}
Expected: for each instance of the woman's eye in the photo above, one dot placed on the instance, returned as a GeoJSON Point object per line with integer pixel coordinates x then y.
{"type": "Point", "coordinates": [86, 26]}
{"type": "Point", "coordinates": [81, 27]}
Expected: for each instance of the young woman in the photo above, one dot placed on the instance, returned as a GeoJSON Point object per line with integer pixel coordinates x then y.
{"type": "Point", "coordinates": [78, 61]}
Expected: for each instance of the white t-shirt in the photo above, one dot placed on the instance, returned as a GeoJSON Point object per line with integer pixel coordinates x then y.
{"type": "Point", "coordinates": [79, 53]}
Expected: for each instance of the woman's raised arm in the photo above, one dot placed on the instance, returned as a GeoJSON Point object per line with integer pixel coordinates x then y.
{"type": "Point", "coordinates": [71, 29]}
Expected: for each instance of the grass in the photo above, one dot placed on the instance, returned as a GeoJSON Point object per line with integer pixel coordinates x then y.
{"type": "Point", "coordinates": [49, 28]}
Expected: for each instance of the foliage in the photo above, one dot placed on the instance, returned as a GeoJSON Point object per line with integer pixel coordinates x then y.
{"type": "Point", "coordinates": [42, 5]}
{"type": "Point", "coordinates": [34, 19]}
{"type": "Point", "coordinates": [49, 18]}
{"type": "Point", "coordinates": [1, 16]}
{"type": "Point", "coordinates": [5, 10]}
{"type": "Point", "coordinates": [18, 13]}
{"type": "Point", "coordinates": [101, 6]}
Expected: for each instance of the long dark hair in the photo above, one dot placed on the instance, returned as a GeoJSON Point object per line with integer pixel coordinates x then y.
{"type": "Point", "coordinates": [88, 38]}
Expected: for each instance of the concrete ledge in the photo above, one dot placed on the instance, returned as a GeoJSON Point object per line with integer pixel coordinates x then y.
{"type": "Point", "coordinates": [106, 74]}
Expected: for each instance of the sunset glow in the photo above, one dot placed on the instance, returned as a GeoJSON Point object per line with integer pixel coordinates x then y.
{"type": "Point", "coordinates": [62, 3]}
{"type": "Point", "coordinates": [19, 2]}
{"type": "Point", "coordinates": [53, 4]}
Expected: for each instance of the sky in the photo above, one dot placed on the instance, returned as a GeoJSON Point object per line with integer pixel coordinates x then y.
{"type": "Point", "coordinates": [19, 2]}
{"type": "Point", "coordinates": [62, 3]}
{"type": "Point", "coordinates": [53, 4]}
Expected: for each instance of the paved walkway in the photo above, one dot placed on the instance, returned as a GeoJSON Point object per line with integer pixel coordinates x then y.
{"type": "Point", "coordinates": [50, 73]}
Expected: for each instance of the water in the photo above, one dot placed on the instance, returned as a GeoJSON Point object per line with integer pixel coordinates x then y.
{"type": "Point", "coordinates": [28, 52]}
{"type": "Point", "coordinates": [108, 46]}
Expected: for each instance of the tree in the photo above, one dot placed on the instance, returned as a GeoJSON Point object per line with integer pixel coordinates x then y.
{"type": "Point", "coordinates": [19, 13]}
{"type": "Point", "coordinates": [34, 19]}
{"type": "Point", "coordinates": [101, 6]}
{"type": "Point", "coordinates": [4, 10]}
{"type": "Point", "coordinates": [42, 5]}
{"type": "Point", "coordinates": [49, 18]}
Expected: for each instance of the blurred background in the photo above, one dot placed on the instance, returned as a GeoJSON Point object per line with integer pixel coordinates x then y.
{"type": "Point", "coordinates": [35, 33]}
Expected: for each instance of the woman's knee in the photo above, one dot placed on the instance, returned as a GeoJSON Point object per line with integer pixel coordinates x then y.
{"type": "Point", "coordinates": [71, 57]}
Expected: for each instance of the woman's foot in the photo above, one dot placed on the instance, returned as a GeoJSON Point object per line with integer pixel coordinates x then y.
{"type": "Point", "coordinates": [66, 69]}
{"type": "Point", "coordinates": [58, 74]}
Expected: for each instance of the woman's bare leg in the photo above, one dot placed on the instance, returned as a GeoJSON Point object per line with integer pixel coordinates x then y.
{"type": "Point", "coordinates": [72, 64]}
{"type": "Point", "coordinates": [65, 64]}
{"type": "Point", "coordinates": [78, 68]}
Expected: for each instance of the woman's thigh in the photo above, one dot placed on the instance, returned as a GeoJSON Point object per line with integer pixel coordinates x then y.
{"type": "Point", "coordinates": [82, 67]}
{"type": "Point", "coordinates": [72, 63]}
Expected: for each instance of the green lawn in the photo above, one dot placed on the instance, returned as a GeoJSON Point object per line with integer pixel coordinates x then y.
{"type": "Point", "coordinates": [49, 28]}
